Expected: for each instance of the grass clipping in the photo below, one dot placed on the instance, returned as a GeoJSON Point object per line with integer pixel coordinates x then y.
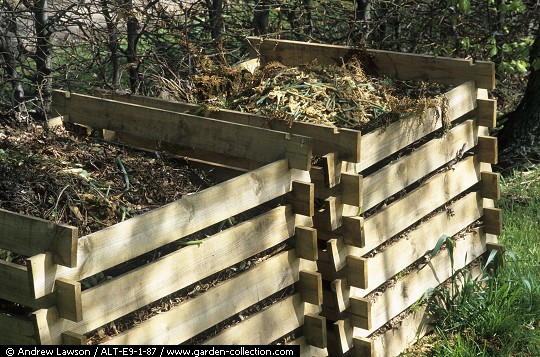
{"type": "Point", "coordinates": [338, 96]}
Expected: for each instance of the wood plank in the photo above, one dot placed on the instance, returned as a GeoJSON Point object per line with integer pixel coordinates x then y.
{"type": "Point", "coordinates": [407, 290]}
{"type": "Point", "coordinates": [306, 243]}
{"type": "Point", "coordinates": [302, 198]}
{"type": "Point", "coordinates": [148, 283]}
{"type": "Point", "coordinates": [331, 168]}
{"type": "Point", "coordinates": [73, 339]}
{"type": "Point", "coordinates": [68, 299]}
{"type": "Point", "coordinates": [433, 193]}
{"type": "Point", "coordinates": [403, 333]}
{"type": "Point", "coordinates": [310, 287]}
{"type": "Point", "coordinates": [219, 136]}
{"type": "Point", "coordinates": [394, 177]}
{"type": "Point", "coordinates": [384, 142]}
{"type": "Point", "coordinates": [14, 282]}
{"type": "Point", "coordinates": [16, 330]}
{"type": "Point", "coordinates": [350, 188]}
{"type": "Point", "coordinates": [329, 218]}
{"type": "Point", "coordinates": [217, 304]}
{"type": "Point", "coordinates": [189, 153]}
{"type": "Point", "coordinates": [353, 231]}
{"type": "Point", "coordinates": [404, 252]}
{"type": "Point", "coordinates": [315, 330]}
{"type": "Point", "coordinates": [395, 340]}
{"type": "Point", "coordinates": [402, 213]}
{"type": "Point", "coordinates": [357, 271]}
{"type": "Point", "coordinates": [268, 325]}
{"type": "Point", "coordinates": [488, 149]}
{"type": "Point", "coordinates": [486, 112]}
{"type": "Point", "coordinates": [29, 236]}
{"type": "Point", "coordinates": [493, 221]}
{"type": "Point", "coordinates": [166, 224]}
{"type": "Point", "coordinates": [490, 185]}
{"type": "Point", "coordinates": [340, 338]}
{"type": "Point", "coordinates": [325, 139]}
{"type": "Point", "coordinates": [403, 66]}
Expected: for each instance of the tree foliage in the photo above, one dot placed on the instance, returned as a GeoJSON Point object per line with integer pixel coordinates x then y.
{"type": "Point", "coordinates": [141, 45]}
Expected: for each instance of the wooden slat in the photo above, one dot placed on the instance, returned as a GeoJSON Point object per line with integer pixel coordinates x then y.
{"type": "Point", "coordinates": [353, 231]}
{"type": "Point", "coordinates": [310, 287]}
{"type": "Point", "coordinates": [350, 189]}
{"type": "Point", "coordinates": [486, 112]}
{"type": "Point", "coordinates": [488, 149]}
{"type": "Point", "coordinates": [68, 299]}
{"type": "Point", "coordinates": [174, 271]}
{"type": "Point", "coordinates": [404, 252]}
{"type": "Point", "coordinates": [325, 139]}
{"type": "Point", "coordinates": [395, 340]}
{"type": "Point", "coordinates": [398, 175]}
{"type": "Point", "coordinates": [315, 330]}
{"type": "Point", "coordinates": [306, 243]}
{"type": "Point", "coordinates": [16, 330]}
{"type": "Point", "coordinates": [384, 142]}
{"type": "Point", "coordinates": [357, 271]}
{"type": "Point", "coordinates": [331, 168]}
{"type": "Point", "coordinates": [14, 283]}
{"type": "Point", "coordinates": [490, 185]}
{"type": "Point", "coordinates": [401, 254]}
{"type": "Point", "coordinates": [340, 338]}
{"type": "Point", "coordinates": [29, 236]}
{"type": "Point", "coordinates": [217, 304]}
{"type": "Point", "coordinates": [407, 290]}
{"type": "Point", "coordinates": [433, 193]}
{"type": "Point", "coordinates": [73, 339]}
{"type": "Point", "coordinates": [189, 153]}
{"type": "Point", "coordinates": [16, 288]}
{"type": "Point", "coordinates": [397, 65]}
{"type": "Point", "coordinates": [302, 198]}
{"type": "Point", "coordinates": [178, 219]}
{"type": "Point", "coordinates": [219, 136]}
{"type": "Point", "coordinates": [493, 221]}
{"type": "Point", "coordinates": [267, 325]}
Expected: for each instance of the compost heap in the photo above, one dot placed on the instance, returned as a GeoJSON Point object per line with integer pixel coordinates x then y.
{"type": "Point", "coordinates": [339, 96]}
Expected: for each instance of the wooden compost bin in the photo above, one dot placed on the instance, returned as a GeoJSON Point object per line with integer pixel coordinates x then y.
{"type": "Point", "coordinates": [50, 285]}
{"type": "Point", "coordinates": [401, 179]}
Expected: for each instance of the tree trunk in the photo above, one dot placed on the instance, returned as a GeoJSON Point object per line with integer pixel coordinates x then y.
{"type": "Point", "coordinates": [113, 44]}
{"type": "Point", "coordinates": [215, 11]}
{"type": "Point", "coordinates": [42, 57]}
{"type": "Point", "coordinates": [132, 42]}
{"type": "Point", "coordinates": [8, 51]}
{"type": "Point", "coordinates": [261, 17]}
{"type": "Point", "coordinates": [521, 132]}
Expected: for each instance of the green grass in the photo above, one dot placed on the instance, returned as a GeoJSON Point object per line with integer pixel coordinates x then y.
{"type": "Point", "coordinates": [498, 314]}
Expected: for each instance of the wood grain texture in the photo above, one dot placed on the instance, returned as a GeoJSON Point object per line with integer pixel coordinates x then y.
{"type": "Point", "coordinates": [166, 224]}
{"type": "Point", "coordinates": [139, 287]}
{"type": "Point", "coordinates": [325, 139]}
{"type": "Point", "coordinates": [217, 304]}
{"type": "Point", "coordinates": [384, 142]}
{"type": "Point", "coordinates": [267, 325]}
{"type": "Point", "coordinates": [29, 236]}
{"type": "Point", "coordinates": [407, 290]}
{"type": "Point", "coordinates": [403, 66]}
{"type": "Point", "coordinates": [187, 130]}
{"type": "Point", "coordinates": [16, 330]}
